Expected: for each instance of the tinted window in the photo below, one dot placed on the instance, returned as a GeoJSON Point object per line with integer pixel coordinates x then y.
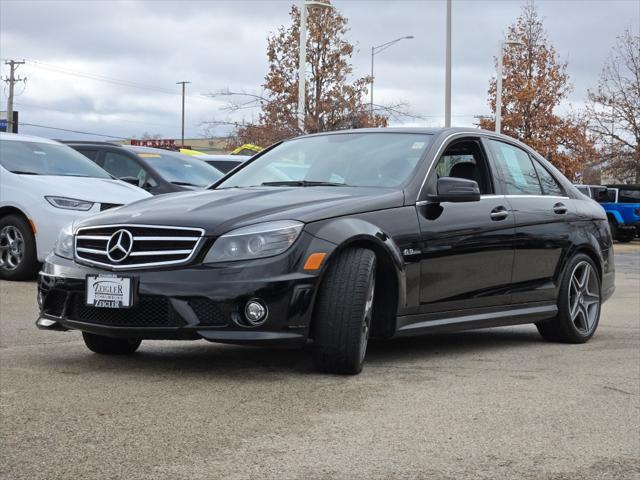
{"type": "Point", "coordinates": [603, 194]}
{"type": "Point", "coordinates": [516, 169]}
{"type": "Point", "coordinates": [223, 165]}
{"type": "Point", "coordinates": [90, 154]}
{"type": "Point", "coordinates": [356, 159]}
{"type": "Point", "coordinates": [122, 166]}
{"type": "Point", "coordinates": [46, 159]}
{"type": "Point", "coordinates": [626, 195]}
{"type": "Point", "coordinates": [549, 184]}
{"type": "Point", "coordinates": [465, 159]}
{"type": "Point", "coordinates": [180, 169]}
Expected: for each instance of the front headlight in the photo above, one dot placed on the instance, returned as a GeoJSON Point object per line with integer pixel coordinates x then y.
{"type": "Point", "coordinates": [70, 203]}
{"type": "Point", "coordinates": [256, 241]}
{"type": "Point", "coordinates": [64, 243]}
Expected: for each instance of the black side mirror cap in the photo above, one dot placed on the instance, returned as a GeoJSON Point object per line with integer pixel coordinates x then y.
{"type": "Point", "coordinates": [454, 189]}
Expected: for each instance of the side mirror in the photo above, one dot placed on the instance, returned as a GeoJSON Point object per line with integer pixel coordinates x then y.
{"type": "Point", "coordinates": [454, 189]}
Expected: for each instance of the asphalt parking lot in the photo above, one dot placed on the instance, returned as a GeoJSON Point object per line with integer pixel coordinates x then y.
{"type": "Point", "coordinates": [485, 404]}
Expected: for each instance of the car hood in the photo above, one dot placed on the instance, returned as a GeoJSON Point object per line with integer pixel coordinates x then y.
{"type": "Point", "coordinates": [99, 190]}
{"type": "Point", "coordinates": [218, 211]}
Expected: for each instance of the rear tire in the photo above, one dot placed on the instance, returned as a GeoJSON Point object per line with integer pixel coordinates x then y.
{"type": "Point", "coordinates": [18, 257]}
{"type": "Point", "coordinates": [579, 304]}
{"type": "Point", "coordinates": [343, 313]}
{"type": "Point", "coordinates": [110, 346]}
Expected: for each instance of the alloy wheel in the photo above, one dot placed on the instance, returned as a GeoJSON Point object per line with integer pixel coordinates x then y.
{"type": "Point", "coordinates": [584, 299]}
{"type": "Point", "coordinates": [368, 313]}
{"type": "Point", "coordinates": [12, 247]}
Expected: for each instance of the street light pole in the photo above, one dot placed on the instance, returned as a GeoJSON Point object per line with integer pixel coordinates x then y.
{"type": "Point", "coordinates": [379, 49]}
{"type": "Point", "coordinates": [302, 59]}
{"type": "Point", "coordinates": [499, 83]}
{"type": "Point", "coordinates": [183, 83]}
{"type": "Point", "coordinates": [447, 74]}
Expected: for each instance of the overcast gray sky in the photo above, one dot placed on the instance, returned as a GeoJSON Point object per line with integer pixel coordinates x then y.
{"type": "Point", "coordinates": [110, 67]}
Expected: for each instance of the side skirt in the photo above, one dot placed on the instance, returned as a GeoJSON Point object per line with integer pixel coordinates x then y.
{"type": "Point", "coordinates": [461, 320]}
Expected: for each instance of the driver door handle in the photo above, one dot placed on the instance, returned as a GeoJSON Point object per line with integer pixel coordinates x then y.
{"type": "Point", "coordinates": [560, 208]}
{"type": "Point", "coordinates": [499, 213]}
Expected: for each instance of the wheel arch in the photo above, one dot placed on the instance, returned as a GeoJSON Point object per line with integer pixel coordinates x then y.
{"type": "Point", "coordinates": [615, 216]}
{"type": "Point", "coordinates": [390, 274]}
{"type": "Point", "coordinates": [7, 210]}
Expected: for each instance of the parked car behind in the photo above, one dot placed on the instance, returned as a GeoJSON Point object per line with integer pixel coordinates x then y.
{"type": "Point", "coordinates": [44, 186]}
{"type": "Point", "coordinates": [384, 232]}
{"type": "Point", "coordinates": [622, 204]}
{"type": "Point", "coordinates": [224, 163]}
{"type": "Point", "coordinates": [153, 169]}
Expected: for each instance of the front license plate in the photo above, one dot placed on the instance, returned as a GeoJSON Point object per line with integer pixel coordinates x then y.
{"type": "Point", "coordinates": [109, 291]}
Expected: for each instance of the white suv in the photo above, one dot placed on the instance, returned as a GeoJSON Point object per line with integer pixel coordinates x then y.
{"type": "Point", "coordinates": [44, 186]}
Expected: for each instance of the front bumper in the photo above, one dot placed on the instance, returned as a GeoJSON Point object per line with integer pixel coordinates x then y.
{"type": "Point", "coordinates": [192, 302]}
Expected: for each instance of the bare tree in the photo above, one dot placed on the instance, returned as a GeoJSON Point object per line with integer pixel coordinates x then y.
{"type": "Point", "coordinates": [614, 109]}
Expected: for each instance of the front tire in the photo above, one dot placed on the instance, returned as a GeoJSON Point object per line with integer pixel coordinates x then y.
{"type": "Point", "coordinates": [343, 313]}
{"type": "Point", "coordinates": [18, 258]}
{"type": "Point", "coordinates": [579, 304]}
{"type": "Point", "coordinates": [110, 346]}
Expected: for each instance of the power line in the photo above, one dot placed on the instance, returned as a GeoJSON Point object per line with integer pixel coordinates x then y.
{"type": "Point", "coordinates": [111, 80]}
{"type": "Point", "coordinates": [42, 107]}
{"type": "Point", "coordinates": [73, 131]}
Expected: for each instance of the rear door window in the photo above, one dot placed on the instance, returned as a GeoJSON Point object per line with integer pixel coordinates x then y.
{"type": "Point", "coordinates": [549, 184]}
{"type": "Point", "coordinates": [628, 196]}
{"type": "Point", "coordinates": [515, 169]}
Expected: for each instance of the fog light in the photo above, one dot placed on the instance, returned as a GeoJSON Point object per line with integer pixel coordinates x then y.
{"type": "Point", "coordinates": [255, 312]}
{"type": "Point", "coordinates": [40, 299]}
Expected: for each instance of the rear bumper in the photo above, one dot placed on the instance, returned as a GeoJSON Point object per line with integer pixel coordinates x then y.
{"type": "Point", "coordinates": [195, 302]}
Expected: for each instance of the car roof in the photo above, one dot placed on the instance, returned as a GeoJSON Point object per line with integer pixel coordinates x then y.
{"type": "Point", "coordinates": [626, 187]}
{"type": "Point", "coordinates": [94, 143]}
{"type": "Point", "coordinates": [19, 137]}
{"type": "Point", "coordinates": [424, 130]}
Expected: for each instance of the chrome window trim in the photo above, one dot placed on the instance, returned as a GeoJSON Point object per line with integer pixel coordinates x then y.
{"type": "Point", "coordinates": [488, 135]}
{"type": "Point", "coordinates": [138, 266]}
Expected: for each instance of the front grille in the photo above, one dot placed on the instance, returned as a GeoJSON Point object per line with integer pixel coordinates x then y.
{"type": "Point", "coordinates": [208, 312]}
{"type": "Point", "coordinates": [54, 302]}
{"type": "Point", "coordinates": [148, 311]}
{"type": "Point", "coordinates": [142, 245]}
{"type": "Point", "coordinates": [109, 206]}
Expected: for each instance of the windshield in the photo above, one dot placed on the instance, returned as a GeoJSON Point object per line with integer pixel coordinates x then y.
{"type": "Point", "coordinates": [181, 169]}
{"type": "Point", "coordinates": [35, 158]}
{"type": "Point", "coordinates": [354, 159]}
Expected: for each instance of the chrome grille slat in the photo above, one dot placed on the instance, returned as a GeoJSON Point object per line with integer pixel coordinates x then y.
{"type": "Point", "coordinates": [165, 239]}
{"type": "Point", "coordinates": [170, 245]}
{"type": "Point", "coordinates": [160, 252]}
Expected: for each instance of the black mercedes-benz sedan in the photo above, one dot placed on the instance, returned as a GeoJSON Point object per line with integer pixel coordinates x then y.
{"type": "Point", "coordinates": [338, 237]}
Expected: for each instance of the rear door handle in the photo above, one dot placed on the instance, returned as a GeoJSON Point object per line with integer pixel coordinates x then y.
{"type": "Point", "coordinates": [499, 213]}
{"type": "Point", "coordinates": [560, 208]}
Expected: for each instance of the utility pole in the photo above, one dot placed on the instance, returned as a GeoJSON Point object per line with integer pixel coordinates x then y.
{"type": "Point", "coordinates": [12, 80]}
{"type": "Point", "coordinates": [447, 74]}
{"type": "Point", "coordinates": [183, 83]}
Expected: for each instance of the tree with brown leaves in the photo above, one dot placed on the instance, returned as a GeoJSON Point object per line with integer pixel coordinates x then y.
{"type": "Point", "coordinates": [614, 110]}
{"type": "Point", "coordinates": [533, 85]}
{"type": "Point", "coordinates": [333, 100]}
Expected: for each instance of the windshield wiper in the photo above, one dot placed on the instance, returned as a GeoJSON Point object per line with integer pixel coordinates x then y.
{"type": "Point", "coordinates": [302, 183]}
{"type": "Point", "coordinates": [20, 172]}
